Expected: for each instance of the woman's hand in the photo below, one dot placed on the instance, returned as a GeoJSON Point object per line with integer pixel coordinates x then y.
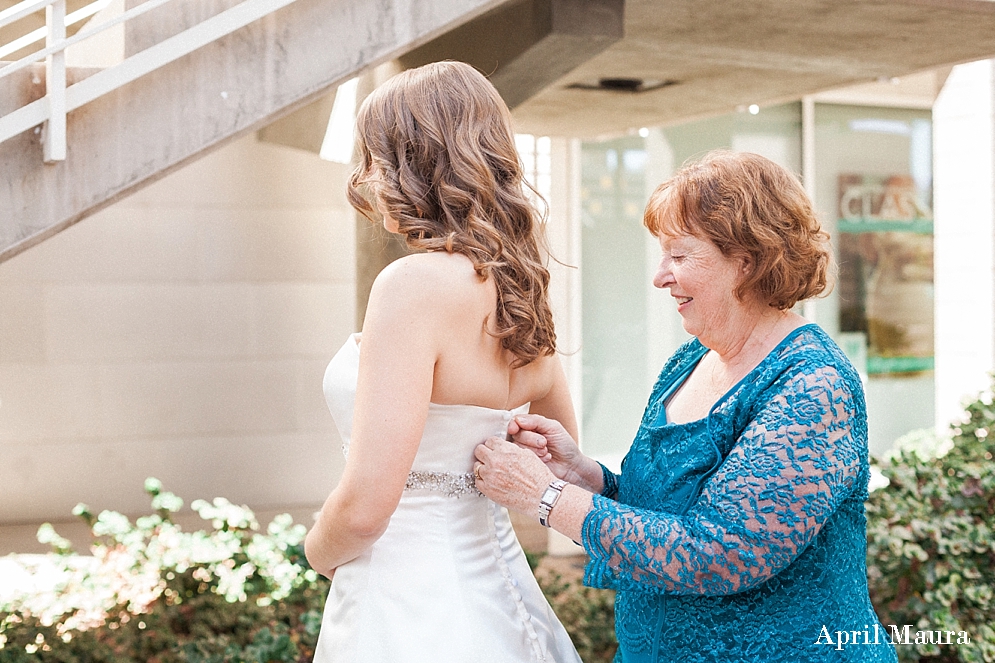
{"type": "Point", "coordinates": [548, 440]}
{"type": "Point", "coordinates": [511, 475]}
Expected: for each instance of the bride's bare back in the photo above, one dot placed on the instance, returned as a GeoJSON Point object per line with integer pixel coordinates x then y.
{"type": "Point", "coordinates": [472, 368]}
{"type": "Point", "coordinates": [425, 340]}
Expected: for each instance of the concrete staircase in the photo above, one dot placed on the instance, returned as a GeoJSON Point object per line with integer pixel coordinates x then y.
{"type": "Point", "coordinates": [270, 68]}
{"type": "Point", "coordinates": [156, 124]}
{"type": "Point", "coordinates": [283, 65]}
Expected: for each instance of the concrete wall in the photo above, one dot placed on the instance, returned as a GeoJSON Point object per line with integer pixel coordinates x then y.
{"type": "Point", "coordinates": [964, 202]}
{"type": "Point", "coordinates": [181, 333]}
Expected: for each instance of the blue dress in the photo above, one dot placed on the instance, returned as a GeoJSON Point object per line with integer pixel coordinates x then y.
{"type": "Point", "coordinates": [741, 536]}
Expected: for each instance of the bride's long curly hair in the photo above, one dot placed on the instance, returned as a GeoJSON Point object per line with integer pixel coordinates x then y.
{"type": "Point", "coordinates": [437, 154]}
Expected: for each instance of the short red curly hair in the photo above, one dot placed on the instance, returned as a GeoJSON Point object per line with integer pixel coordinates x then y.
{"type": "Point", "coordinates": [751, 209]}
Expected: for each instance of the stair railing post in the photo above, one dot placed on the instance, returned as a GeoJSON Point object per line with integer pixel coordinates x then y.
{"type": "Point", "coordinates": [55, 84]}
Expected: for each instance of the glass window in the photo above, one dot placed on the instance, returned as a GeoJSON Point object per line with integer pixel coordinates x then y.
{"type": "Point", "coordinates": [613, 292]}
{"type": "Point", "coordinates": [874, 196]}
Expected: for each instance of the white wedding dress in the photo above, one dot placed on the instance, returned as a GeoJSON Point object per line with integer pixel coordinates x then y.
{"type": "Point", "coordinates": [448, 581]}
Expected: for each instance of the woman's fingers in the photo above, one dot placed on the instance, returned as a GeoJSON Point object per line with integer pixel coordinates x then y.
{"type": "Point", "coordinates": [481, 451]}
{"type": "Point", "coordinates": [530, 422]}
{"type": "Point", "coordinates": [495, 452]}
{"type": "Point", "coordinates": [526, 438]}
{"type": "Point", "coordinates": [536, 423]}
{"type": "Point", "coordinates": [535, 443]}
{"type": "Point", "coordinates": [510, 475]}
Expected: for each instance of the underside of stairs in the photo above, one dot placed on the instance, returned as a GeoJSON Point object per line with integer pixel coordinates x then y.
{"type": "Point", "coordinates": [276, 65]}
{"type": "Point", "coordinates": [156, 124]}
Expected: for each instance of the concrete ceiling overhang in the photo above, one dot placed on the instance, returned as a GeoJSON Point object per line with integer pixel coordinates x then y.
{"type": "Point", "coordinates": [723, 54]}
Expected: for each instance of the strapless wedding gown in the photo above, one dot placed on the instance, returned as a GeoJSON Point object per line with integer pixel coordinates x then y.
{"type": "Point", "coordinates": [448, 581]}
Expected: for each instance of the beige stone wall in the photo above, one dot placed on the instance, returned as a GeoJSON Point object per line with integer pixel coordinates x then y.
{"type": "Point", "coordinates": [181, 333]}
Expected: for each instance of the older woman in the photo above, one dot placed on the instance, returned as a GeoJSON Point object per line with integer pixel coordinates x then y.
{"type": "Point", "coordinates": [736, 530]}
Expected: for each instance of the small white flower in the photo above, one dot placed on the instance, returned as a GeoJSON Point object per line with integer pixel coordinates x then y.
{"type": "Point", "coordinates": [877, 480]}
{"type": "Point", "coordinates": [168, 502]}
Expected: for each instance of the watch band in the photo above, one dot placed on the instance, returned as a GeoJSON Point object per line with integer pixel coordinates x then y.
{"type": "Point", "coordinates": [610, 482]}
{"type": "Point", "coordinates": [548, 500]}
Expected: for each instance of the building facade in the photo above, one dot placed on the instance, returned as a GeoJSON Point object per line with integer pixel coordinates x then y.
{"type": "Point", "coordinates": [182, 331]}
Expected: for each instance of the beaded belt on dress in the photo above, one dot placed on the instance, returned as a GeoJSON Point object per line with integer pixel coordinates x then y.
{"type": "Point", "coordinates": [450, 484]}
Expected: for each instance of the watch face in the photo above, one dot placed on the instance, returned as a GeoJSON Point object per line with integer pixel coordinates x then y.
{"type": "Point", "coordinates": [549, 494]}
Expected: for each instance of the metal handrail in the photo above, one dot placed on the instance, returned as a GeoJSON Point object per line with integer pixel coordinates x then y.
{"type": "Point", "coordinates": [35, 36]}
{"type": "Point", "coordinates": [22, 9]}
{"type": "Point", "coordinates": [61, 99]}
{"type": "Point", "coordinates": [28, 60]}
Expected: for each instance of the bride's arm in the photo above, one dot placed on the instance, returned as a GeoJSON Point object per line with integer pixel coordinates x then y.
{"type": "Point", "coordinates": [552, 434]}
{"type": "Point", "coordinates": [400, 345]}
{"type": "Point", "coordinates": [556, 403]}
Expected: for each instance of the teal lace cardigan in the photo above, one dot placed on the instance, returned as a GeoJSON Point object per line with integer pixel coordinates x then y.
{"type": "Point", "coordinates": [741, 536]}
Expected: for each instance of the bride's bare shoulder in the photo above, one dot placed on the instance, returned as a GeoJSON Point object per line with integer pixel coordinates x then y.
{"type": "Point", "coordinates": [437, 278]}
{"type": "Point", "coordinates": [436, 264]}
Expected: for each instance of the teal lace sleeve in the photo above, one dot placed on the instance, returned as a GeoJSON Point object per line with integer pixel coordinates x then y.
{"type": "Point", "coordinates": [797, 459]}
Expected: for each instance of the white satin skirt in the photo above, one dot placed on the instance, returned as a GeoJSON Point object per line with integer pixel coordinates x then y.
{"type": "Point", "coordinates": [447, 582]}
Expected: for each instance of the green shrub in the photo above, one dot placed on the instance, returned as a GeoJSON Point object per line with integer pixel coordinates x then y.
{"type": "Point", "coordinates": [157, 594]}
{"type": "Point", "coordinates": [931, 552]}
{"type": "Point", "coordinates": [587, 614]}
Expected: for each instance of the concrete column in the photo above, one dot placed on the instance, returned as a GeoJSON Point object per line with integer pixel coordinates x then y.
{"type": "Point", "coordinates": [563, 234]}
{"type": "Point", "coordinates": [964, 191]}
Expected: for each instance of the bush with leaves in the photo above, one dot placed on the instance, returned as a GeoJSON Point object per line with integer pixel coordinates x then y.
{"type": "Point", "coordinates": [931, 550]}
{"type": "Point", "coordinates": [588, 614]}
{"type": "Point", "coordinates": [154, 593]}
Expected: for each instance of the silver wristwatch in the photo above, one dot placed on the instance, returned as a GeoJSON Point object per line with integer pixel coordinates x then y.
{"type": "Point", "coordinates": [548, 500]}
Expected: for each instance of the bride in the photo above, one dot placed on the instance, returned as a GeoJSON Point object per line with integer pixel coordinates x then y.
{"type": "Point", "coordinates": [457, 339]}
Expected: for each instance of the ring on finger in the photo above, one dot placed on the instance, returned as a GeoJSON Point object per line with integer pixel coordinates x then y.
{"type": "Point", "coordinates": [476, 471]}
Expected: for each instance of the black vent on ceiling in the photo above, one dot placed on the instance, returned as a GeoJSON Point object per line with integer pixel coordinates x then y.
{"type": "Point", "coordinates": [624, 85]}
